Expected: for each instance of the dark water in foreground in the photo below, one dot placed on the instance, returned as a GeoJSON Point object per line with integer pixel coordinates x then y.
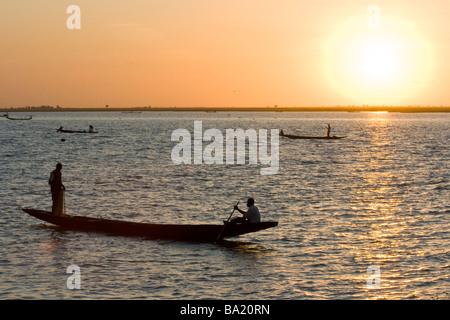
{"type": "Point", "coordinates": [379, 198]}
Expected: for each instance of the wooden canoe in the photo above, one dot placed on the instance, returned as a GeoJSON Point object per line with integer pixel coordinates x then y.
{"type": "Point", "coordinates": [8, 117]}
{"type": "Point", "coordinates": [290, 136]}
{"type": "Point", "coordinates": [75, 131]}
{"type": "Point", "coordinates": [179, 232]}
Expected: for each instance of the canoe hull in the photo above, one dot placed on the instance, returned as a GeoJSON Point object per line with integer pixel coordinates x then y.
{"type": "Point", "coordinates": [195, 232]}
{"type": "Point", "coordinates": [75, 131]}
{"type": "Point", "coordinates": [29, 118]}
{"type": "Point", "coordinates": [306, 137]}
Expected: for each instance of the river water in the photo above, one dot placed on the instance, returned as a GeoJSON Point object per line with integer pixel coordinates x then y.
{"type": "Point", "coordinates": [377, 201]}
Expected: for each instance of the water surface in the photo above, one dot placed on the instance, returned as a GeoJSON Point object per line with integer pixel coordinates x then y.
{"type": "Point", "coordinates": [379, 197]}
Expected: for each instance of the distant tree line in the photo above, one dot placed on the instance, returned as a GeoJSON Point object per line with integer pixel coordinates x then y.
{"type": "Point", "coordinates": [43, 108]}
{"type": "Point", "coordinates": [35, 108]}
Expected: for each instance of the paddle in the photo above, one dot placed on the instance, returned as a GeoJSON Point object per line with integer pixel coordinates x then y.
{"type": "Point", "coordinates": [225, 224]}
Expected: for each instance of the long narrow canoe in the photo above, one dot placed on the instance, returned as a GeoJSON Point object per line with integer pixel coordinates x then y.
{"type": "Point", "coordinates": [179, 232]}
{"type": "Point", "coordinates": [75, 131]}
{"type": "Point", "coordinates": [308, 137]}
{"type": "Point", "coordinates": [28, 118]}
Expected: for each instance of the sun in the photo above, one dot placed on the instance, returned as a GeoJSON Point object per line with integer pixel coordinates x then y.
{"type": "Point", "coordinates": [382, 66]}
{"type": "Point", "coordinates": [376, 62]}
{"type": "Point", "coordinates": [377, 59]}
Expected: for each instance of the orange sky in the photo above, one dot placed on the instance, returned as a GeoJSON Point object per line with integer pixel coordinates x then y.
{"type": "Point", "coordinates": [220, 53]}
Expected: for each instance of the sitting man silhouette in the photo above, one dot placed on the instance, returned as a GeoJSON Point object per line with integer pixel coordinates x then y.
{"type": "Point", "coordinates": [252, 215]}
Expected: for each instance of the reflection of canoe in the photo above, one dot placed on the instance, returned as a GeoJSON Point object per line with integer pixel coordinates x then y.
{"type": "Point", "coordinates": [307, 137]}
{"type": "Point", "coordinates": [186, 232]}
{"type": "Point", "coordinates": [8, 117]}
{"type": "Point", "coordinates": [75, 131]}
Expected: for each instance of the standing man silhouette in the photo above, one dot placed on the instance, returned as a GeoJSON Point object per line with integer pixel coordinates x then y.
{"type": "Point", "coordinates": [57, 188]}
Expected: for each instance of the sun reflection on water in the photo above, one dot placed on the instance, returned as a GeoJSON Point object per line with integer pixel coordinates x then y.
{"type": "Point", "coordinates": [379, 202]}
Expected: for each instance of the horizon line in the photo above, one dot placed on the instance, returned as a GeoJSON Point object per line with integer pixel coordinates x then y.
{"type": "Point", "coordinates": [347, 108]}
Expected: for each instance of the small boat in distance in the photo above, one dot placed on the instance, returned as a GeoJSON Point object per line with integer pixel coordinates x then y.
{"type": "Point", "coordinates": [178, 232]}
{"type": "Point", "coordinates": [290, 136]}
{"type": "Point", "coordinates": [91, 130]}
{"type": "Point", "coordinates": [10, 118]}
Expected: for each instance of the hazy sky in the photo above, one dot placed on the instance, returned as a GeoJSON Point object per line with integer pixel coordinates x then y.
{"type": "Point", "coordinates": [225, 53]}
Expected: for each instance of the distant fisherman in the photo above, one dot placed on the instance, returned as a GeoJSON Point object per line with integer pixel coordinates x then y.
{"type": "Point", "coordinates": [57, 188]}
{"type": "Point", "coordinates": [328, 130]}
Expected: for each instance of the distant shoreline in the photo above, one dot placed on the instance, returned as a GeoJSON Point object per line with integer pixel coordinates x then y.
{"type": "Point", "coordinates": [401, 109]}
